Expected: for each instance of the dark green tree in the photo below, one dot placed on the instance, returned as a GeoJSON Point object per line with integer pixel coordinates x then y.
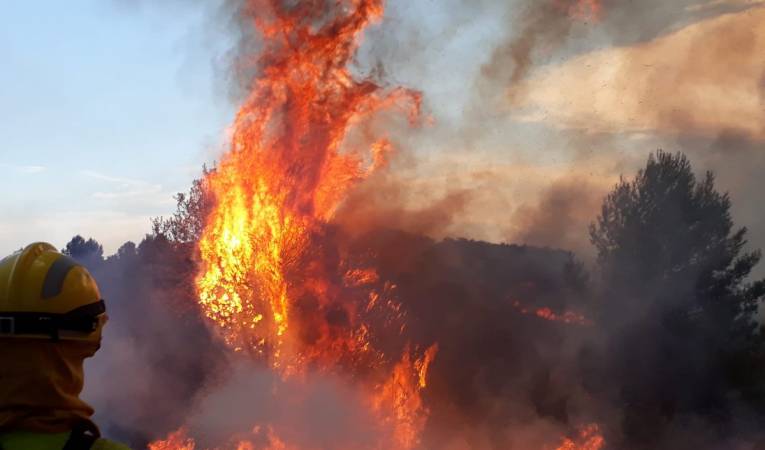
{"type": "Point", "coordinates": [678, 304]}
{"type": "Point", "coordinates": [127, 252]}
{"type": "Point", "coordinates": [88, 252]}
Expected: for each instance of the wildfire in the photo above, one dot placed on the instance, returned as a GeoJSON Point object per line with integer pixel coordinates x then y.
{"type": "Point", "coordinates": [286, 173]}
{"type": "Point", "coordinates": [399, 398]}
{"type": "Point", "coordinates": [271, 278]}
{"type": "Point", "coordinates": [175, 441]}
{"type": "Point", "coordinates": [588, 438]}
{"type": "Point", "coordinates": [568, 317]}
{"type": "Point", "coordinates": [274, 279]}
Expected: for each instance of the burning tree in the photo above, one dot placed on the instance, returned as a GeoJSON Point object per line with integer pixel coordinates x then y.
{"type": "Point", "coordinates": [278, 279]}
{"type": "Point", "coordinates": [274, 276]}
{"type": "Point", "coordinates": [675, 316]}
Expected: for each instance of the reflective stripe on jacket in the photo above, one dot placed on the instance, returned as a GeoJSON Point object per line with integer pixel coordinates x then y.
{"type": "Point", "coordinates": [22, 440]}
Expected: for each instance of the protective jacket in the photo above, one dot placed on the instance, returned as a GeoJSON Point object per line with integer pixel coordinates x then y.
{"type": "Point", "coordinates": [51, 319]}
{"type": "Point", "coordinates": [22, 440]}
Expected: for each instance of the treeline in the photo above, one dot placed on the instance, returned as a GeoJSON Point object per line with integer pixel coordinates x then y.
{"type": "Point", "coordinates": [673, 356]}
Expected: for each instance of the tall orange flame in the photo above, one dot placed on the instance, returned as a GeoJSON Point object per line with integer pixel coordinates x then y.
{"type": "Point", "coordinates": [271, 278]}
{"type": "Point", "coordinates": [289, 167]}
{"type": "Point", "coordinates": [287, 170]}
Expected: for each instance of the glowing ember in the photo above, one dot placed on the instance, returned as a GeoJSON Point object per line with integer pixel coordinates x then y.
{"type": "Point", "coordinates": [568, 317]}
{"type": "Point", "coordinates": [589, 438]}
{"type": "Point", "coordinates": [358, 277]}
{"type": "Point", "coordinates": [585, 10]}
{"type": "Point", "coordinates": [175, 441]}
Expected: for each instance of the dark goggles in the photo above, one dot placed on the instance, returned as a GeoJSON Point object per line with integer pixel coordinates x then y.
{"type": "Point", "coordinates": [84, 319]}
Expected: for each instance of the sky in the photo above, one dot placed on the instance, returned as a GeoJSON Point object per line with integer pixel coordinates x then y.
{"type": "Point", "coordinates": [111, 107]}
{"type": "Point", "coordinates": [107, 111]}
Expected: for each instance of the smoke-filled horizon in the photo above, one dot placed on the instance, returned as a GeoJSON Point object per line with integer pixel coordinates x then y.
{"type": "Point", "coordinates": [388, 252]}
{"type": "Point", "coordinates": [531, 348]}
{"type": "Point", "coordinates": [524, 106]}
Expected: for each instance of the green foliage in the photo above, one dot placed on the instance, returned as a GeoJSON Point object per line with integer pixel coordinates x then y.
{"type": "Point", "coordinates": [88, 252]}
{"type": "Point", "coordinates": [187, 223]}
{"type": "Point", "coordinates": [127, 251]}
{"type": "Point", "coordinates": [670, 238]}
{"type": "Point", "coordinates": [677, 303]}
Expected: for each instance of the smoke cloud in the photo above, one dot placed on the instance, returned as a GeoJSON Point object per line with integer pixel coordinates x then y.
{"type": "Point", "coordinates": [157, 353]}
{"type": "Point", "coordinates": [321, 411]}
{"type": "Point", "coordinates": [703, 79]}
{"type": "Point", "coordinates": [505, 376]}
{"type": "Point", "coordinates": [561, 217]}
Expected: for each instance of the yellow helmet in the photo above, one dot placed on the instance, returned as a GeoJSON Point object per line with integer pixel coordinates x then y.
{"type": "Point", "coordinates": [44, 294]}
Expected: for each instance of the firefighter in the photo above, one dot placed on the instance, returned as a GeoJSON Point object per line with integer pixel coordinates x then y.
{"type": "Point", "coordinates": [51, 318]}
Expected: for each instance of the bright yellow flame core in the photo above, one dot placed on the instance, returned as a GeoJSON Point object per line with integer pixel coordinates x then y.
{"type": "Point", "coordinates": [242, 247]}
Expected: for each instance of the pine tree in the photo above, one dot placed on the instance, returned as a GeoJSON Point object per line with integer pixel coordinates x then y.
{"type": "Point", "coordinates": [677, 302]}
